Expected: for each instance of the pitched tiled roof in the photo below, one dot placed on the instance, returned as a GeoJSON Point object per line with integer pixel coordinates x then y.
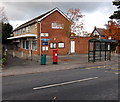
{"type": "Point", "coordinates": [40, 17]}
{"type": "Point", "coordinates": [99, 30]}
{"type": "Point", "coordinates": [32, 21]}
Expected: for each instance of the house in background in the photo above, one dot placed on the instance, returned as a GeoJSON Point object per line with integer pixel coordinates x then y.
{"type": "Point", "coordinates": [44, 33]}
{"type": "Point", "coordinates": [98, 33]}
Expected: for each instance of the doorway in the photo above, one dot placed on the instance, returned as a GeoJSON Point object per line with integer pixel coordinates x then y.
{"type": "Point", "coordinates": [72, 46]}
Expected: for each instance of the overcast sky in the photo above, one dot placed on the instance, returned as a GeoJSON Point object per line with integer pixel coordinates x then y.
{"type": "Point", "coordinates": [96, 13]}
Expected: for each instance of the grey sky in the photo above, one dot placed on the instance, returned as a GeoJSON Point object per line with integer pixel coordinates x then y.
{"type": "Point", "coordinates": [96, 13]}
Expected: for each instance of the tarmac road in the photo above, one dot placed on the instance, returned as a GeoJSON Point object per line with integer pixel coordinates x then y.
{"type": "Point", "coordinates": [73, 84]}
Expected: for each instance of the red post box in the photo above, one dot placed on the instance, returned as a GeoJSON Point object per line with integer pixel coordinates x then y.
{"type": "Point", "coordinates": [55, 56]}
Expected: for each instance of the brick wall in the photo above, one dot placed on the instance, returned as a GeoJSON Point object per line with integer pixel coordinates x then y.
{"type": "Point", "coordinates": [56, 35]}
{"type": "Point", "coordinates": [27, 51]}
{"type": "Point", "coordinates": [81, 44]}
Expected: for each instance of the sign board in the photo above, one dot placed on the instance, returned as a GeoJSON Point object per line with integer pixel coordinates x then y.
{"type": "Point", "coordinates": [44, 34]}
{"type": "Point", "coordinates": [45, 40]}
{"type": "Point", "coordinates": [44, 43]}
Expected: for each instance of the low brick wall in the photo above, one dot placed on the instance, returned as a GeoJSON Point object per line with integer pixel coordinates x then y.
{"type": "Point", "coordinates": [24, 55]}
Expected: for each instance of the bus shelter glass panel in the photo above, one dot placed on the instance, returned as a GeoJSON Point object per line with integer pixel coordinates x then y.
{"type": "Point", "coordinates": [99, 49]}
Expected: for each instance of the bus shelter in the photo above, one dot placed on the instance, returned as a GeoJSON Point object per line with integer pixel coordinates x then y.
{"type": "Point", "coordinates": [99, 49]}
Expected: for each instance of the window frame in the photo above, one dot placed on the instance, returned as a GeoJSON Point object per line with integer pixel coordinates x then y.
{"type": "Point", "coordinates": [24, 43]}
{"type": "Point", "coordinates": [57, 25]}
{"type": "Point", "coordinates": [27, 29]}
{"type": "Point", "coordinates": [27, 46]}
{"type": "Point", "coordinates": [32, 45]}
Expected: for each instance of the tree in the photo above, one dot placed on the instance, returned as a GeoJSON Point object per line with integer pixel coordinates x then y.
{"type": "Point", "coordinates": [5, 27]}
{"type": "Point", "coordinates": [6, 31]}
{"type": "Point", "coordinates": [112, 30]}
{"type": "Point", "coordinates": [116, 14]}
{"type": "Point", "coordinates": [75, 15]}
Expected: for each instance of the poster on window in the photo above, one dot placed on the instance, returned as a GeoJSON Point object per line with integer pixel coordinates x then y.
{"type": "Point", "coordinates": [61, 45]}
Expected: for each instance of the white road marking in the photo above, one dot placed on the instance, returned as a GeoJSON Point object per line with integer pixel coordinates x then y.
{"type": "Point", "coordinates": [54, 98]}
{"type": "Point", "coordinates": [117, 73]}
{"type": "Point", "coordinates": [90, 67]}
{"type": "Point", "coordinates": [64, 83]}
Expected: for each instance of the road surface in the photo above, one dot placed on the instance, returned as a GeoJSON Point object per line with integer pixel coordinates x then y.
{"type": "Point", "coordinates": [75, 84]}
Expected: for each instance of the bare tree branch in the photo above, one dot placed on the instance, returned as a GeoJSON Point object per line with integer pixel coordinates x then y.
{"type": "Point", "coordinates": [3, 17]}
{"type": "Point", "coordinates": [75, 15]}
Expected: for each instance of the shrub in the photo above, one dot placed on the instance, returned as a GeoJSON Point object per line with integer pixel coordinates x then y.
{"type": "Point", "coordinates": [4, 61]}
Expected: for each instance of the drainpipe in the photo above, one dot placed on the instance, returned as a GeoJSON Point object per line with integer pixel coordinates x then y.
{"type": "Point", "coordinates": [40, 40]}
{"type": "Point", "coordinates": [39, 45]}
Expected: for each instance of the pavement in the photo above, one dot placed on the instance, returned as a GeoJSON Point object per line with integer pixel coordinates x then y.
{"type": "Point", "coordinates": [19, 66]}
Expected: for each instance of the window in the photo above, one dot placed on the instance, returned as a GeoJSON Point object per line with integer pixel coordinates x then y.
{"type": "Point", "coordinates": [23, 30]}
{"type": "Point", "coordinates": [24, 44]}
{"type": "Point", "coordinates": [45, 48]}
{"type": "Point", "coordinates": [57, 26]}
{"type": "Point", "coordinates": [27, 44]}
{"type": "Point", "coordinates": [28, 29]}
{"type": "Point", "coordinates": [36, 26]}
{"type": "Point", "coordinates": [20, 31]}
{"type": "Point", "coordinates": [34, 46]}
{"type": "Point", "coordinates": [15, 32]}
{"type": "Point", "coordinates": [61, 44]}
{"type": "Point", "coordinates": [52, 45]}
{"type": "Point", "coordinates": [47, 34]}
{"type": "Point", "coordinates": [44, 34]}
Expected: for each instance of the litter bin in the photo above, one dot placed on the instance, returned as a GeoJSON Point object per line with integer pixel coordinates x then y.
{"type": "Point", "coordinates": [43, 59]}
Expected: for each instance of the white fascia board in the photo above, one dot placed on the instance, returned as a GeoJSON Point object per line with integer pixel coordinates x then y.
{"type": "Point", "coordinates": [52, 12]}
{"type": "Point", "coordinates": [21, 36]}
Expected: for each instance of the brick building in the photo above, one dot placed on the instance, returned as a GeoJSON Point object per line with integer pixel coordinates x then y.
{"type": "Point", "coordinates": [47, 32]}
{"type": "Point", "coordinates": [54, 27]}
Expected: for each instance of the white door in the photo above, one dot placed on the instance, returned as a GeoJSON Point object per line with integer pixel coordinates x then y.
{"type": "Point", "coordinates": [72, 46]}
